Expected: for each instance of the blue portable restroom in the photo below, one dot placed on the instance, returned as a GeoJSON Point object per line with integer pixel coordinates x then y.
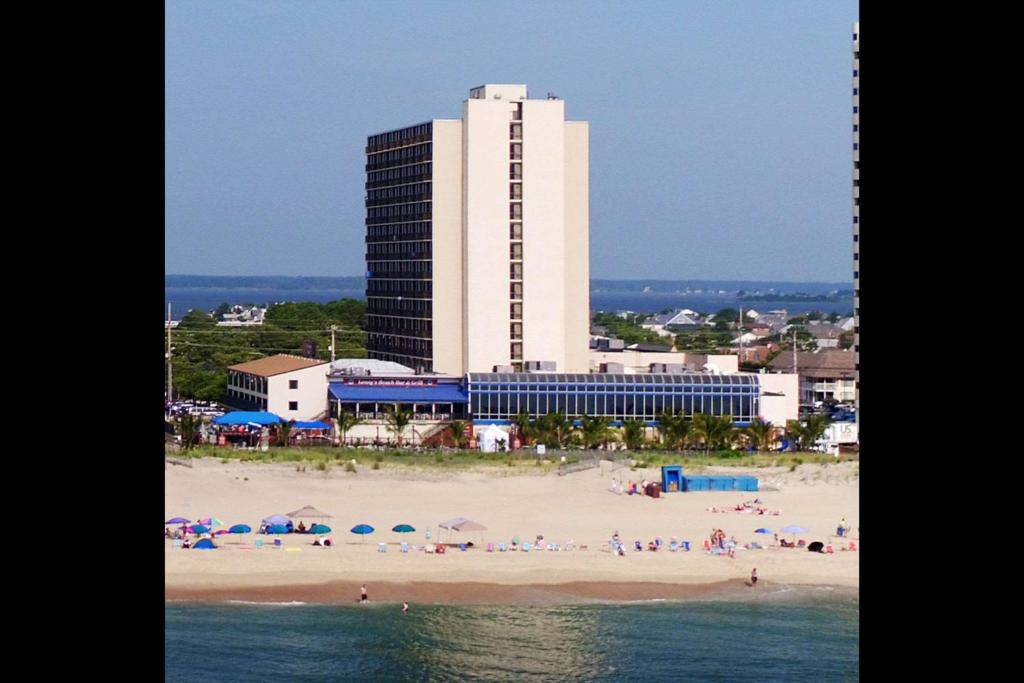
{"type": "Point", "coordinates": [671, 478]}
{"type": "Point", "coordinates": [746, 483]}
{"type": "Point", "coordinates": [695, 483]}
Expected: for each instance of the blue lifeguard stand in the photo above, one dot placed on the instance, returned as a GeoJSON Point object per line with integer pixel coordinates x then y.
{"type": "Point", "coordinates": [671, 478]}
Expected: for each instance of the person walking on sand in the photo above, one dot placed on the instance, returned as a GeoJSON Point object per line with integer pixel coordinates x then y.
{"type": "Point", "coordinates": [405, 607]}
{"type": "Point", "coordinates": [363, 597]}
{"type": "Point", "coordinates": [753, 577]}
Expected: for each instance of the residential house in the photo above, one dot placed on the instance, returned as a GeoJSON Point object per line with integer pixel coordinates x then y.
{"type": "Point", "coordinates": [823, 375]}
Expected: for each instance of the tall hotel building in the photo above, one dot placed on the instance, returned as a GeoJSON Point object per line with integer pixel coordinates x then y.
{"type": "Point", "coordinates": [477, 234]}
{"type": "Point", "coordinates": [856, 213]}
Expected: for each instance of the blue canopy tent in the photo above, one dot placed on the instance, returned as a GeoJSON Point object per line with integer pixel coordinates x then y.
{"type": "Point", "coordinates": [278, 529]}
{"type": "Point", "coordinates": [310, 425]}
{"type": "Point", "coordinates": [244, 417]}
{"type": "Point", "coordinates": [204, 544]}
{"type": "Point", "coordinates": [278, 521]}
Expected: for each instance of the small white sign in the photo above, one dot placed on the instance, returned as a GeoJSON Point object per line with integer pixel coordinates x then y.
{"type": "Point", "coordinates": [541, 449]}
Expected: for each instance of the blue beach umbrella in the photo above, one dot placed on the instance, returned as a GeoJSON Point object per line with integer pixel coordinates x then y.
{"type": "Point", "coordinates": [319, 529]}
{"type": "Point", "coordinates": [362, 530]}
{"type": "Point", "coordinates": [793, 529]}
{"type": "Point", "coordinates": [403, 529]}
{"type": "Point", "coordinates": [240, 529]}
{"type": "Point", "coordinates": [199, 529]}
{"type": "Point", "coordinates": [762, 530]}
{"type": "Point", "coordinates": [177, 520]}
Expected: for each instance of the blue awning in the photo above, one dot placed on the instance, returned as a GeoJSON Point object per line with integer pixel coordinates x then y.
{"type": "Point", "coordinates": [311, 425]}
{"type": "Point", "coordinates": [438, 393]}
{"type": "Point", "coordinates": [241, 418]}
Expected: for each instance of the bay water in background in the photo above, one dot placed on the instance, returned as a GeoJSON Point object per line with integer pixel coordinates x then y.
{"type": "Point", "coordinates": [793, 635]}
{"type": "Point", "coordinates": [192, 292]}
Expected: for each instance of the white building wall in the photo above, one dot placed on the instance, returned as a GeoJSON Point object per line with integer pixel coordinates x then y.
{"type": "Point", "coordinates": [447, 303]}
{"type": "Point", "coordinates": [577, 246]}
{"type": "Point", "coordinates": [640, 361]}
{"type": "Point", "coordinates": [485, 285]}
{"type": "Point", "coordinates": [779, 409]}
{"type": "Point", "coordinates": [544, 232]}
{"type": "Point", "coordinates": [311, 393]}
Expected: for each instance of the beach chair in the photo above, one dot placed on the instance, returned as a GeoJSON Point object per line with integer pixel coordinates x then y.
{"type": "Point", "coordinates": [754, 545]}
{"type": "Point", "coordinates": [853, 546]}
{"type": "Point", "coordinates": [541, 545]}
{"type": "Point", "coordinates": [502, 548]}
{"type": "Point", "coordinates": [259, 543]}
{"type": "Point", "coordinates": [526, 547]}
{"type": "Point", "coordinates": [707, 545]}
{"type": "Point", "coordinates": [570, 545]}
{"type": "Point", "coordinates": [277, 542]}
{"type": "Point", "coordinates": [801, 543]}
{"type": "Point", "coordinates": [828, 549]}
{"type": "Point", "coordinates": [404, 547]}
{"type": "Point", "coordinates": [462, 547]}
{"type": "Point", "coordinates": [490, 547]}
{"type": "Point", "coordinates": [382, 547]}
{"type": "Point", "coordinates": [673, 546]}
{"type": "Point", "coordinates": [429, 548]}
{"type": "Point", "coordinates": [686, 546]}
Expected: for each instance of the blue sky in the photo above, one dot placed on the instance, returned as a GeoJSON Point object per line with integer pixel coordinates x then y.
{"type": "Point", "coordinates": [720, 133]}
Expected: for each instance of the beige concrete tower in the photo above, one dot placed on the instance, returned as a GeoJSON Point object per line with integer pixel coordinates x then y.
{"type": "Point", "coordinates": [500, 209]}
{"type": "Point", "coordinates": [856, 212]}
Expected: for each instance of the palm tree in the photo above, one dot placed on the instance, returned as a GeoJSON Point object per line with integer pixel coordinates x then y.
{"type": "Point", "coordinates": [346, 422]}
{"type": "Point", "coordinates": [713, 432]}
{"type": "Point", "coordinates": [760, 433]}
{"type": "Point", "coordinates": [284, 430]}
{"type": "Point", "coordinates": [634, 434]}
{"type": "Point", "coordinates": [188, 426]}
{"type": "Point", "coordinates": [805, 435]}
{"type": "Point", "coordinates": [595, 431]}
{"type": "Point", "coordinates": [397, 420]}
{"type": "Point", "coordinates": [553, 430]}
{"type": "Point", "coordinates": [674, 428]}
{"type": "Point", "coordinates": [457, 430]}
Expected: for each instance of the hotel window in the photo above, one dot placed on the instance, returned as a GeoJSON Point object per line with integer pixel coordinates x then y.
{"type": "Point", "coordinates": [856, 91]}
{"type": "Point", "coordinates": [517, 330]}
{"type": "Point", "coordinates": [515, 171]}
{"type": "Point", "coordinates": [516, 311]}
{"type": "Point", "coordinates": [516, 131]}
{"type": "Point", "coordinates": [515, 231]}
{"type": "Point", "coordinates": [515, 191]}
{"type": "Point", "coordinates": [516, 291]}
{"type": "Point", "coordinates": [856, 238]}
{"type": "Point", "coordinates": [515, 211]}
{"type": "Point", "coordinates": [293, 384]}
{"type": "Point", "coordinates": [516, 252]}
{"type": "Point", "coordinates": [516, 150]}
{"type": "Point", "coordinates": [855, 72]}
{"type": "Point", "coordinates": [517, 351]}
{"type": "Point", "coordinates": [293, 405]}
{"type": "Point", "coordinates": [516, 271]}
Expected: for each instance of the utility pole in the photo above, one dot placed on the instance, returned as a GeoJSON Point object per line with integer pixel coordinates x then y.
{"type": "Point", "coordinates": [739, 328]}
{"type": "Point", "coordinates": [170, 371]}
{"type": "Point", "coordinates": [333, 328]}
{"type": "Point", "coordinates": [794, 352]}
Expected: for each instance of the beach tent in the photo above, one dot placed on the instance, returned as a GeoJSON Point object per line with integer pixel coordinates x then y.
{"type": "Point", "coordinates": [492, 438]}
{"type": "Point", "coordinates": [204, 544]}
{"type": "Point", "coordinates": [308, 512]}
{"type": "Point", "coordinates": [260, 419]}
{"type": "Point", "coordinates": [816, 546]}
{"type": "Point", "coordinates": [278, 529]}
{"type": "Point", "coordinates": [279, 520]}
{"type": "Point", "coordinates": [463, 524]}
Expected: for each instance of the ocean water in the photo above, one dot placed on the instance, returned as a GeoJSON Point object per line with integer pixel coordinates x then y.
{"type": "Point", "coordinates": [208, 298]}
{"type": "Point", "coordinates": [785, 635]}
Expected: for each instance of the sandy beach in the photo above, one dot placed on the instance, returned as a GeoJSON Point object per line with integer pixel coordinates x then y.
{"type": "Point", "coordinates": [578, 506]}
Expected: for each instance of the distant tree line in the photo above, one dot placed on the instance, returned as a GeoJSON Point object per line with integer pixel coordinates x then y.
{"type": "Point", "coordinates": [203, 351]}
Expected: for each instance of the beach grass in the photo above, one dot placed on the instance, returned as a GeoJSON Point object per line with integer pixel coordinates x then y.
{"type": "Point", "coordinates": [321, 459]}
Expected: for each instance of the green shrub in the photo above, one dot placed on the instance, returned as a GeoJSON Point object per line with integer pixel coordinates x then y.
{"type": "Point", "coordinates": [439, 458]}
{"type": "Point", "coordinates": [349, 467]}
{"type": "Point", "coordinates": [376, 464]}
{"type": "Point", "coordinates": [323, 466]}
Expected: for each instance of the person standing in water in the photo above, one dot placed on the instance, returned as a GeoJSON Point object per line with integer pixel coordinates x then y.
{"type": "Point", "coordinates": [363, 597]}
{"type": "Point", "coordinates": [405, 607]}
{"type": "Point", "coordinates": [753, 577]}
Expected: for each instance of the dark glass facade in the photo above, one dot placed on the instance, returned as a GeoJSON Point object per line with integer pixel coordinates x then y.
{"type": "Point", "coordinates": [398, 246]}
{"type": "Point", "coordinates": [501, 396]}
